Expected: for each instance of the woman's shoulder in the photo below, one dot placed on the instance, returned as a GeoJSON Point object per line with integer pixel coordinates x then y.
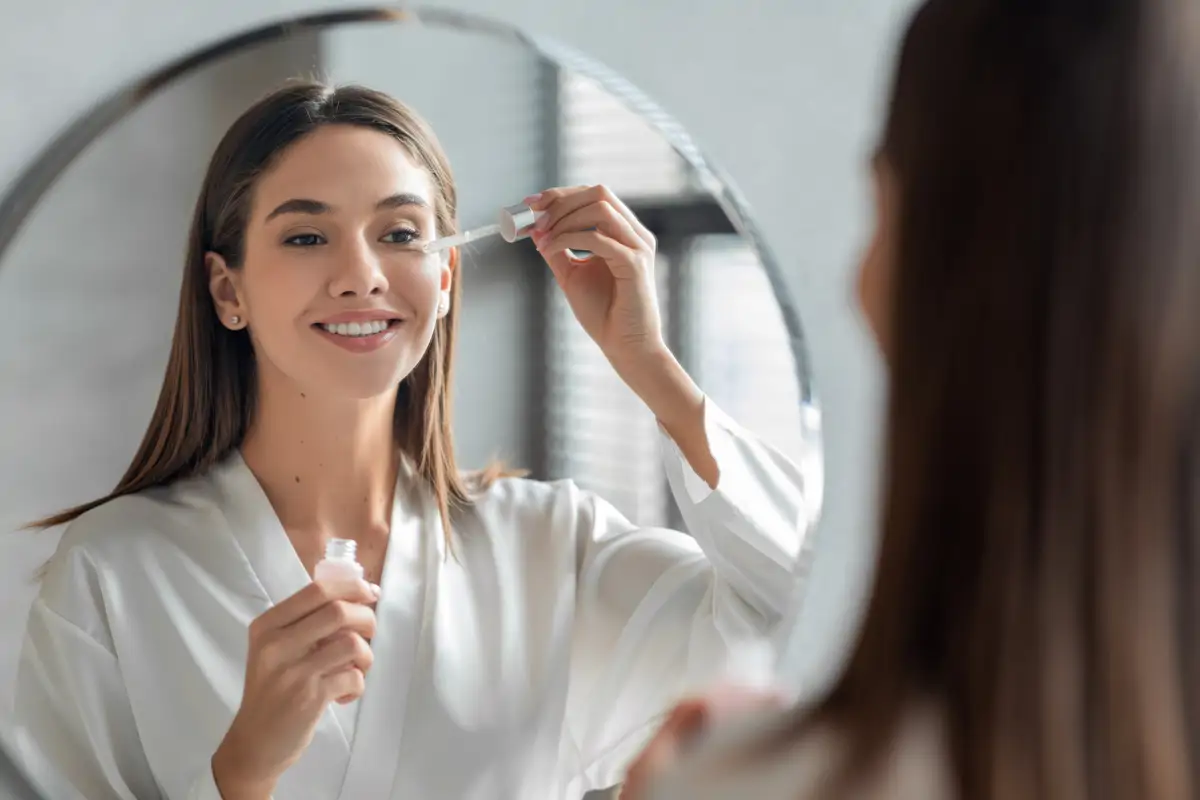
{"type": "Point", "coordinates": [915, 767]}
{"type": "Point", "coordinates": [93, 554]}
{"type": "Point", "coordinates": [514, 495]}
{"type": "Point", "coordinates": [126, 529]}
{"type": "Point", "coordinates": [518, 519]}
{"type": "Point", "coordinates": [560, 504]}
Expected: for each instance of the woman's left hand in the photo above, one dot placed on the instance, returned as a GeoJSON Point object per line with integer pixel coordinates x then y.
{"type": "Point", "coordinates": [612, 293]}
{"type": "Point", "coordinates": [686, 722]}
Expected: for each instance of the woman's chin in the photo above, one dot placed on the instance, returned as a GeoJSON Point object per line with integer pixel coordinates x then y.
{"type": "Point", "coordinates": [370, 389]}
{"type": "Point", "coordinates": [360, 383]}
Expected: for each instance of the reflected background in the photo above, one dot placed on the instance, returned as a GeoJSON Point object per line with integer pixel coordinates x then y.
{"type": "Point", "coordinates": [88, 289]}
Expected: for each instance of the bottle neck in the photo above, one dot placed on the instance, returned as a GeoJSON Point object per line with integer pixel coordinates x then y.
{"type": "Point", "coordinates": [341, 550]}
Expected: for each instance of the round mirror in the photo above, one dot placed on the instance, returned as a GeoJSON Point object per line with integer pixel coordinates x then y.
{"type": "Point", "coordinates": [92, 239]}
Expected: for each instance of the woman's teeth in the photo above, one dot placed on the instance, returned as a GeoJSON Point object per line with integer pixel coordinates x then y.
{"type": "Point", "coordinates": [358, 328]}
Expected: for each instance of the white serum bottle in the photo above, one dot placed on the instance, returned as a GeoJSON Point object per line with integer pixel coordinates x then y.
{"type": "Point", "coordinates": [340, 563]}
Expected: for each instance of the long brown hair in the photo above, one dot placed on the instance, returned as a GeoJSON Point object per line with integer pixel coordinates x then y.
{"type": "Point", "coordinates": [1037, 577]}
{"type": "Point", "coordinates": [208, 396]}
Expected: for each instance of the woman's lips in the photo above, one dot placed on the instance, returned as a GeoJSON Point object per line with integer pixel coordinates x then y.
{"type": "Point", "coordinates": [359, 337]}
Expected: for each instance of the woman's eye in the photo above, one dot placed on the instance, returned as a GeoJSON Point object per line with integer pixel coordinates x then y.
{"type": "Point", "coordinates": [304, 240]}
{"type": "Point", "coordinates": [402, 236]}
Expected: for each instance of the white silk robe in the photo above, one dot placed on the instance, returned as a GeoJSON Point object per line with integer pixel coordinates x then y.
{"type": "Point", "coordinates": [534, 664]}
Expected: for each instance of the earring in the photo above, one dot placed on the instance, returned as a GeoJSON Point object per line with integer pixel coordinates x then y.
{"type": "Point", "coordinates": [235, 320]}
{"type": "Point", "coordinates": [443, 307]}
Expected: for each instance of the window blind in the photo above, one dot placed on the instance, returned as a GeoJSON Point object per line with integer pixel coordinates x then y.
{"type": "Point", "coordinates": [738, 345]}
{"type": "Point", "coordinates": [598, 431]}
{"type": "Point", "coordinates": [602, 141]}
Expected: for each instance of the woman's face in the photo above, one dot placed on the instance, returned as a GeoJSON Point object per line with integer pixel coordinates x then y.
{"type": "Point", "coordinates": [874, 286]}
{"type": "Point", "coordinates": [336, 293]}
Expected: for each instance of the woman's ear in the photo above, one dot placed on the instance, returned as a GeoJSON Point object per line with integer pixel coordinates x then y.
{"type": "Point", "coordinates": [224, 284]}
{"type": "Point", "coordinates": [448, 273]}
{"type": "Point", "coordinates": [876, 271]}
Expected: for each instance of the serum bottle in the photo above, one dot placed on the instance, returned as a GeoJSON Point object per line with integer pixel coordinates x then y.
{"type": "Point", "coordinates": [340, 563]}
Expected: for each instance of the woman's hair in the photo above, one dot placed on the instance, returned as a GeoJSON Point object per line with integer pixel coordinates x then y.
{"type": "Point", "coordinates": [208, 396]}
{"type": "Point", "coordinates": [1038, 572]}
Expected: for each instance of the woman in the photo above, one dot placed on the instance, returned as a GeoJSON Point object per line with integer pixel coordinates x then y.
{"type": "Point", "coordinates": [1035, 285]}
{"type": "Point", "coordinates": [513, 639]}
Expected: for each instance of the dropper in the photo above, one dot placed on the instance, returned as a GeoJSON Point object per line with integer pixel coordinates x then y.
{"type": "Point", "coordinates": [437, 245]}
{"type": "Point", "coordinates": [516, 223]}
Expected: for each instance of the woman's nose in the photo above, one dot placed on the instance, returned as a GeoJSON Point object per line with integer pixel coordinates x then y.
{"type": "Point", "coordinates": [358, 273]}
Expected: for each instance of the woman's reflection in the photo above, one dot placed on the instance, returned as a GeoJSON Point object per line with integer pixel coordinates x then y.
{"type": "Point", "coordinates": [512, 639]}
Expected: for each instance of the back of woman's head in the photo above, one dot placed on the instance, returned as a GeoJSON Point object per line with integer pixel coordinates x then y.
{"type": "Point", "coordinates": [1037, 573]}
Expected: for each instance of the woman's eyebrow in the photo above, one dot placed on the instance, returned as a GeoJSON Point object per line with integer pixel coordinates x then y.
{"type": "Point", "coordinates": [303, 205]}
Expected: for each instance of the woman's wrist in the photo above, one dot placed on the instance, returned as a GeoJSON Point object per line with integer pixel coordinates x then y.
{"type": "Point", "coordinates": [659, 379]}
{"type": "Point", "coordinates": [662, 383]}
{"type": "Point", "coordinates": [678, 403]}
{"type": "Point", "coordinates": [232, 778]}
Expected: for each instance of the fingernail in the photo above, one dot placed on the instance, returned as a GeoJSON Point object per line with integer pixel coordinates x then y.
{"type": "Point", "coordinates": [375, 590]}
{"type": "Point", "coordinates": [533, 198]}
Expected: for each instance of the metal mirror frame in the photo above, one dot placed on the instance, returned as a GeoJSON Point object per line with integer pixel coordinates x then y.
{"type": "Point", "coordinates": [33, 182]}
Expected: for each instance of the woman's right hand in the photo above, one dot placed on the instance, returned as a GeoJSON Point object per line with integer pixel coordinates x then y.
{"type": "Point", "coordinates": [306, 652]}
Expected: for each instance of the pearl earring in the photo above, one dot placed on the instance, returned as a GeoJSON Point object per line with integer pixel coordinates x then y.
{"type": "Point", "coordinates": [235, 320]}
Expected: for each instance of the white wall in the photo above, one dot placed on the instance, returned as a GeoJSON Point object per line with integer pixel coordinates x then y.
{"type": "Point", "coordinates": [785, 97]}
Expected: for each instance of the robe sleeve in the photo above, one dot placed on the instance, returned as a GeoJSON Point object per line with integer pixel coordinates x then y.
{"type": "Point", "coordinates": [661, 614]}
{"type": "Point", "coordinates": [74, 728]}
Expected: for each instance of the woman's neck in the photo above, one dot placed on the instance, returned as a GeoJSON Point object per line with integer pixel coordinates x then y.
{"type": "Point", "coordinates": [327, 464]}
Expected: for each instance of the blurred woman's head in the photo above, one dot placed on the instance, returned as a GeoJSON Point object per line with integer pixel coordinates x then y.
{"type": "Point", "coordinates": [1034, 283]}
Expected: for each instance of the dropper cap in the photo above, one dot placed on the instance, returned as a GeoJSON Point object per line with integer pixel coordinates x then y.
{"type": "Point", "coordinates": [516, 222]}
